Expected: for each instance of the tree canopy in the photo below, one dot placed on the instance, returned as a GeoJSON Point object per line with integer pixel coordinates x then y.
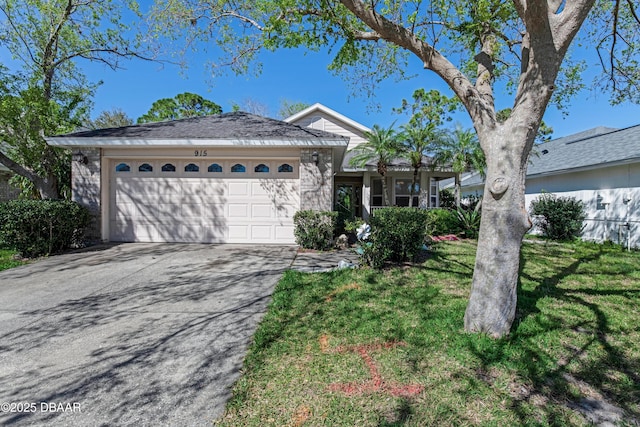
{"type": "Point", "coordinates": [181, 106]}
{"type": "Point", "coordinates": [48, 93]}
{"type": "Point", "coordinates": [110, 119]}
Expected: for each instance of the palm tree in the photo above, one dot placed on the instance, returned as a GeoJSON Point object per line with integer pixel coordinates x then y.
{"type": "Point", "coordinates": [461, 149]}
{"type": "Point", "coordinates": [416, 141]}
{"type": "Point", "coordinates": [382, 146]}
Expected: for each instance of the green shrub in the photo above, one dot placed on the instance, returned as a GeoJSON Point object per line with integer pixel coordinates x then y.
{"type": "Point", "coordinates": [397, 234]}
{"type": "Point", "coordinates": [41, 227]}
{"type": "Point", "coordinates": [447, 198]}
{"type": "Point", "coordinates": [314, 229]}
{"type": "Point", "coordinates": [559, 218]}
{"type": "Point", "coordinates": [351, 226]}
{"type": "Point", "coordinates": [469, 222]}
{"type": "Point", "coordinates": [441, 222]}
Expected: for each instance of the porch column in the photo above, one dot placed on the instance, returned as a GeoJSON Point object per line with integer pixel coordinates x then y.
{"type": "Point", "coordinates": [366, 195]}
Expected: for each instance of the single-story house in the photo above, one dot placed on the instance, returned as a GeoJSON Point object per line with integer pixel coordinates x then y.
{"type": "Point", "coordinates": [600, 167]}
{"type": "Point", "coordinates": [234, 177]}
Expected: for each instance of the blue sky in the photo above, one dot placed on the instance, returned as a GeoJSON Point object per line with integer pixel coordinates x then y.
{"type": "Point", "coordinates": [298, 76]}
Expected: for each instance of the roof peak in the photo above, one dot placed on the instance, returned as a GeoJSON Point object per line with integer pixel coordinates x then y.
{"type": "Point", "coordinates": [318, 107]}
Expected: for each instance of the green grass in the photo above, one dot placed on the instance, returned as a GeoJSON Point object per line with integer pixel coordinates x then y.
{"type": "Point", "coordinates": [576, 336]}
{"type": "Point", "coordinates": [7, 259]}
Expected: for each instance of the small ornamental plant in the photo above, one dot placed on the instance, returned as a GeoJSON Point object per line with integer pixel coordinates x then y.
{"type": "Point", "coordinates": [314, 229]}
{"type": "Point", "coordinates": [559, 218]}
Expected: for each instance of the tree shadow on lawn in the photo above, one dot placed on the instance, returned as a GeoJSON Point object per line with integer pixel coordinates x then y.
{"type": "Point", "coordinates": [594, 376]}
{"type": "Point", "coordinates": [165, 352]}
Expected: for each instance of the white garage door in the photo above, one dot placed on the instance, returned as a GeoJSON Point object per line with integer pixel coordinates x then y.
{"type": "Point", "coordinates": [204, 201]}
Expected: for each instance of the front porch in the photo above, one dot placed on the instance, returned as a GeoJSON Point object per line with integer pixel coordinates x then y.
{"type": "Point", "coordinates": [359, 194]}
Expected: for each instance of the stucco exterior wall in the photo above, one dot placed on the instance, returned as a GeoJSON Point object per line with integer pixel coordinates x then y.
{"type": "Point", "coordinates": [316, 181]}
{"type": "Point", "coordinates": [85, 184]}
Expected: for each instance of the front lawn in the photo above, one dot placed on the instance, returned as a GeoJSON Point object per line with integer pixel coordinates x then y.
{"type": "Point", "coordinates": [7, 259]}
{"type": "Point", "coordinates": [365, 348]}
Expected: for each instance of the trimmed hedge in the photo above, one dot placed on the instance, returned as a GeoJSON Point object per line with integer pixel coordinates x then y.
{"type": "Point", "coordinates": [40, 227]}
{"type": "Point", "coordinates": [314, 229]}
{"type": "Point", "coordinates": [441, 222]}
{"type": "Point", "coordinates": [397, 234]}
{"type": "Point", "coordinates": [559, 218]}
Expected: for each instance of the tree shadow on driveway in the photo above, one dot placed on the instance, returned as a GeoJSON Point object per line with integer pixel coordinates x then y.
{"type": "Point", "coordinates": [161, 345]}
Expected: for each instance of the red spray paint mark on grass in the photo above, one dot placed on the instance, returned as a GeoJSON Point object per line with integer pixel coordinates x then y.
{"type": "Point", "coordinates": [375, 384]}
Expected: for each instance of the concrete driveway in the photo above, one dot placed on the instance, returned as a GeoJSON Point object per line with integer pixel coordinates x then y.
{"type": "Point", "coordinates": [133, 334]}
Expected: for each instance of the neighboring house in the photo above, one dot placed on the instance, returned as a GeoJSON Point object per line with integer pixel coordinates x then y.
{"type": "Point", "coordinates": [601, 167]}
{"type": "Point", "coordinates": [7, 192]}
{"type": "Point", "coordinates": [234, 177]}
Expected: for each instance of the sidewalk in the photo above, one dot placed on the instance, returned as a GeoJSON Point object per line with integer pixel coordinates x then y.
{"type": "Point", "coordinates": [321, 261]}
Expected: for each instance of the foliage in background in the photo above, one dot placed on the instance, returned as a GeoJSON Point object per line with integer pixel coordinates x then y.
{"type": "Point", "coordinates": [181, 106]}
{"type": "Point", "coordinates": [26, 115]}
{"type": "Point", "coordinates": [114, 118]}
{"type": "Point", "coordinates": [397, 235]}
{"type": "Point", "coordinates": [428, 111]}
{"type": "Point", "coordinates": [441, 222]}
{"type": "Point", "coordinates": [559, 218]}
{"type": "Point", "coordinates": [289, 108]}
{"type": "Point", "coordinates": [40, 227]}
{"type": "Point", "coordinates": [382, 145]}
{"type": "Point", "coordinates": [447, 198]}
{"type": "Point", "coordinates": [460, 150]}
{"type": "Point", "coordinates": [48, 93]}
{"type": "Point", "coordinates": [314, 229]}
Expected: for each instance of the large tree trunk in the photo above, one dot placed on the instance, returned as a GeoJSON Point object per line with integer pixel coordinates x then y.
{"type": "Point", "coordinates": [492, 304]}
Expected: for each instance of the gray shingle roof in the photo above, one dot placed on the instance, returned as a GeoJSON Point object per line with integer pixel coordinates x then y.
{"type": "Point", "coordinates": [235, 125]}
{"type": "Point", "coordinates": [597, 146]}
{"type": "Point", "coordinates": [592, 148]}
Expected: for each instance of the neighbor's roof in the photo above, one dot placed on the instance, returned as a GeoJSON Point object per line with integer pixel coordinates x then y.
{"type": "Point", "coordinates": [594, 148]}
{"type": "Point", "coordinates": [228, 129]}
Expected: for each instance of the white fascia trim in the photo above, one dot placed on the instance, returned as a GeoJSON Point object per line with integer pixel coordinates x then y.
{"type": "Point", "coordinates": [328, 111]}
{"type": "Point", "coordinates": [110, 142]}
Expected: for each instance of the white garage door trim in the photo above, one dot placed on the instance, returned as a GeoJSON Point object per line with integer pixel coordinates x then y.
{"type": "Point", "coordinates": [213, 201]}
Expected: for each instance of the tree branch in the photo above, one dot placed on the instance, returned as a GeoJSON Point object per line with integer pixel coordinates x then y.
{"type": "Point", "coordinates": [18, 32]}
{"type": "Point", "coordinates": [566, 24]}
{"type": "Point", "coordinates": [367, 35]}
{"type": "Point", "coordinates": [17, 168]}
{"type": "Point", "coordinates": [478, 108]}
